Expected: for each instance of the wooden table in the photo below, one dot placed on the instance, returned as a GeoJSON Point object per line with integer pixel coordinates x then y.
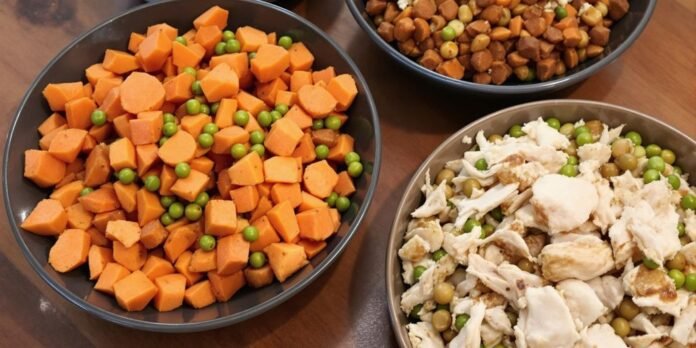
{"type": "Point", "coordinates": [346, 306]}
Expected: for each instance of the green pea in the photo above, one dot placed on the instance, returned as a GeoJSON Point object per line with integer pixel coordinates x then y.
{"type": "Point", "coordinates": [688, 202]}
{"type": "Point", "coordinates": [584, 138]}
{"type": "Point", "coordinates": [85, 191]}
{"type": "Point", "coordinates": [169, 129]}
{"type": "Point", "coordinates": [418, 272]}
{"type": "Point", "coordinates": [202, 199]}
{"type": "Point", "coordinates": [98, 117]}
{"type": "Point", "coordinates": [438, 254]}
{"type": "Point", "coordinates": [275, 116]}
{"type": "Point", "coordinates": [241, 118]}
{"type": "Point", "coordinates": [220, 48]}
{"type": "Point", "coordinates": [264, 118]}
{"type": "Point", "coordinates": [639, 151]}
{"type": "Point", "coordinates": [214, 107]}
{"type": "Point", "coordinates": [259, 149]}
{"type": "Point", "coordinates": [470, 224]}
{"type": "Point", "coordinates": [351, 157]}
{"type": "Point", "coordinates": [282, 108]}
{"type": "Point", "coordinates": [653, 150]}
{"type": "Point", "coordinates": [257, 137]}
{"type": "Point", "coordinates": [355, 169]}
{"type": "Point", "coordinates": [567, 129]}
{"type": "Point", "coordinates": [250, 234]}
{"type": "Point", "coordinates": [182, 170]}
{"type": "Point", "coordinates": [193, 212]}
{"type": "Point", "coordinates": [168, 117]}
{"type": "Point", "coordinates": [181, 40]}
{"type": "Point", "coordinates": [232, 46]}
{"type": "Point", "coordinates": [285, 42]}
{"type": "Point", "coordinates": [448, 33]}
{"type": "Point", "coordinates": [497, 214]}
{"type": "Point", "coordinates": [650, 263]}
{"type": "Point", "coordinates": [677, 170]}
{"type": "Point", "coordinates": [342, 204]}
{"type": "Point", "coordinates": [413, 315]}
{"type": "Point", "coordinates": [166, 219]}
{"type": "Point", "coordinates": [677, 277]}
{"type": "Point", "coordinates": [318, 124]}
{"type": "Point", "coordinates": [516, 131]}
{"type": "Point", "coordinates": [621, 326]}
{"type": "Point", "coordinates": [196, 88]}
{"type": "Point", "coordinates": [569, 170]}
{"type": "Point", "coordinates": [486, 230]}
{"type": "Point", "coordinates": [561, 12]}
{"type": "Point", "coordinates": [126, 176]}
{"type": "Point", "coordinates": [657, 163]}
{"type": "Point", "coordinates": [205, 140]}
{"type": "Point", "coordinates": [572, 160]}
{"type": "Point", "coordinates": [322, 151]}
{"type": "Point", "coordinates": [332, 122]}
{"type": "Point", "coordinates": [163, 140]}
{"type": "Point", "coordinates": [651, 175]}
{"type": "Point", "coordinates": [331, 200]}
{"type": "Point", "coordinates": [554, 123]}
{"type": "Point", "coordinates": [167, 201]}
{"type": "Point", "coordinates": [581, 129]}
{"type": "Point", "coordinates": [152, 183]}
{"type": "Point", "coordinates": [481, 164]}
{"type": "Point", "coordinates": [176, 210]}
{"type": "Point", "coordinates": [257, 259]}
{"type": "Point", "coordinates": [690, 282]}
{"type": "Point", "coordinates": [460, 321]}
{"type": "Point", "coordinates": [252, 55]}
{"type": "Point", "coordinates": [238, 151]}
{"type": "Point", "coordinates": [674, 181]}
{"type": "Point", "coordinates": [227, 35]}
{"type": "Point", "coordinates": [668, 156]}
{"type": "Point", "coordinates": [210, 128]}
{"type": "Point", "coordinates": [207, 242]}
{"type": "Point", "coordinates": [191, 71]}
{"type": "Point", "coordinates": [193, 107]}
{"type": "Point", "coordinates": [634, 137]}
{"type": "Point", "coordinates": [205, 109]}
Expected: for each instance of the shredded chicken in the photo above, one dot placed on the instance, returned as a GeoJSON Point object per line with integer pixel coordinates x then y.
{"type": "Point", "coordinates": [609, 290]}
{"type": "Point", "coordinates": [470, 335]}
{"type": "Point", "coordinates": [583, 303]}
{"type": "Point", "coordinates": [600, 336]}
{"type": "Point", "coordinates": [566, 211]}
{"type": "Point", "coordinates": [483, 204]}
{"type": "Point", "coordinates": [684, 324]}
{"type": "Point", "coordinates": [547, 320]}
{"type": "Point", "coordinates": [435, 203]}
{"type": "Point", "coordinates": [423, 335]}
{"type": "Point", "coordinates": [584, 258]}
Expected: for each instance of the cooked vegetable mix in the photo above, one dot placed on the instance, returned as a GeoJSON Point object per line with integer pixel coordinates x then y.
{"type": "Point", "coordinates": [189, 166]}
{"type": "Point", "coordinates": [554, 235]}
{"type": "Point", "coordinates": [493, 41]}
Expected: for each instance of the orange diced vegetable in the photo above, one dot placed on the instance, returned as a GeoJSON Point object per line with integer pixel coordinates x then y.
{"type": "Point", "coordinates": [112, 273]}
{"type": "Point", "coordinates": [134, 291]}
{"type": "Point", "coordinates": [224, 287]}
{"type": "Point", "coordinates": [70, 250]}
{"type": "Point", "coordinates": [170, 292]}
{"type": "Point", "coordinates": [98, 257]}
{"type": "Point", "coordinates": [200, 295]}
{"type": "Point", "coordinates": [320, 179]}
{"type": "Point", "coordinates": [285, 259]}
{"type": "Point", "coordinates": [133, 257]}
{"type": "Point", "coordinates": [282, 217]}
{"type": "Point", "coordinates": [232, 254]}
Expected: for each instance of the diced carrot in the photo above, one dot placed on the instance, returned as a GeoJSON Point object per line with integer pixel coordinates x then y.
{"type": "Point", "coordinates": [181, 147]}
{"type": "Point", "coordinates": [220, 217]}
{"type": "Point", "coordinates": [104, 86]}
{"type": "Point", "coordinates": [78, 217]}
{"type": "Point", "coordinates": [98, 257]}
{"type": "Point", "coordinates": [134, 291]}
{"type": "Point", "coordinates": [178, 89]}
{"type": "Point", "coordinates": [215, 15]}
{"type": "Point", "coordinates": [344, 185]}
{"type": "Point", "coordinates": [178, 241]}
{"type": "Point", "coordinates": [225, 113]}
{"type": "Point", "coordinates": [169, 32]}
{"type": "Point", "coordinates": [119, 62]}
{"type": "Point", "coordinates": [344, 90]}
{"type": "Point", "coordinates": [258, 277]}
{"type": "Point", "coordinates": [232, 254]}
{"type": "Point", "coordinates": [283, 219]}
{"type": "Point", "coordinates": [78, 112]}
{"type": "Point", "coordinates": [224, 287]}
{"type": "Point", "coordinates": [199, 295]}
{"type": "Point", "coordinates": [48, 218]}
{"type": "Point", "coordinates": [297, 115]}
{"type": "Point", "coordinates": [149, 207]}
{"type": "Point", "coordinates": [146, 156]}
{"type": "Point", "coordinates": [250, 103]}
{"type": "Point", "coordinates": [208, 36]}
{"type": "Point", "coordinates": [170, 292]}
{"type": "Point", "coordinates": [156, 267]}
{"type": "Point", "coordinates": [194, 124]}
{"type": "Point", "coordinates": [344, 145]}
{"type": "Point", "coordinates": [95, 72]}
{"type": "Point", "coordinates": [221, 82]}
{"type": "Point", "coordinates": [203, 261]}
{"type": "Point", "coordinates": [59, 94]}
{"type": "Point", "coordinates": [189, 187]}
{"type": "Point", "coordinates": [250, 38]}
{"type": "Point", "coordinates": [287, 192]}
{"type": "Point", "coordinates": [100, 201]}
{"type": "Point", "coordinates": [285, 259]}
{"type": "Point", "coordinates": [50, 123]}
{"type": "Point", "coordinates": [153, 234]}
{"type": "Point", "coordinates": [133, 257]}
{"type": "Point", "coordinates": [141, 92]}
{"type": "Point", "coordinates": [247, 171]}
{"type": "Point", "coordinates": [267, 234]}
{"type": "Point", "coordinates": [299, 79]}
{"type": "Point", "coordinates": [97, 168]}
{"type": "Point", "coordinates": [167, 179]}
{"type": "Point", "coordinates": [312, 248]}
{"type": "Point", "coordinates": [264, 206]}
{"type": "Point", "coordinates": [112, 273]}
{"type": "Point", "coordinates": [316, 100]}
{"type": "Point", "coordinates": [70, 250]}
{"type": "Point", "coordinates": [245, 198]}
{"type": "Point", "coordinates": [320, 179]}
{"type": "Point", "coordinates": [122, 154]}
{"type": "Point", "coordinates": [305, 149]}
{"type": "Point", "coordinates": [282, 169]}
{"type": "Point", "coordinates": [268, 92]}
{"type": "Point", "coordinates": [182, 266]}
{"type": "Point", "coordinates": [283, 137]}
{"type": "Point", "coordinates": [315, 224]}
{"type": "Point", "coordinates": [101, 220]}
{"type": "Point", "coordinates": [324, 75]}
{"type": "Point", "coordinates": [270, 62]}
{"type": "Point", "coordinates": [134, 42]}
{"type": "Point", "coordinates": [286, 97]}
{"type": "Point", "coordinates": [112, 104]}
{"type": "Point", "coordinates": [42, 168]}
{"type": "Point", "coordinates": [310, 202]}
{"type": "Point", "coordinates": [202, 164]}
{"type": "Point", "coordinates": [300, 57]}
{"type": "Point", "coordinates": [67, 194]}
{"type": "Point", "coordinates": [187, 55]}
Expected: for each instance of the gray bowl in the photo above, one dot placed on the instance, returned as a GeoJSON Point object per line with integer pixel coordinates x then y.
{"type": "Point", "coordinates": [623, 34]}
{"type": "Point", "coordinates": [21, 195]}
{"type": "Point", "coordinates": [651, 129]}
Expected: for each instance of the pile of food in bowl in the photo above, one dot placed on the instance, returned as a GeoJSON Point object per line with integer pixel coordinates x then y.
{"type": "Point", "coordinates": [553, 235]}
{"type": "Point", "coordinates": [194, 164]}
{"type": "Point", "coordinates": [494, 41]}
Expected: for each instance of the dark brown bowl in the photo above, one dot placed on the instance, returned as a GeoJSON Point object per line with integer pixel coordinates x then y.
{"type": "Point", "coordinates": [21, 195]}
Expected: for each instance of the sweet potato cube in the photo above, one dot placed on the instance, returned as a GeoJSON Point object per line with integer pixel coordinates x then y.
{"type": "Point", "coordinates": [245, 198]}
{"type": "Point", "coordinates": [181, 147]}
{"type": "Point", "coordinates": [126, 195]}
{"type": "Point", "coordinates": [247, 171]}
{"type": "Point", "coordinates": [312, 248]}
{"type": "Point", "coordinates": [187, 56]}
{"type": "Point", "coordinates": [182, 266]}
{"type": "Point", "coordinates": [134, 291]}
{"type": "Point", "coordinates": [122, 154]}
{"type": "Point", "coordinates": [170, 292]}
{"type": "Point", "coordinates": [267, 234]}
{"type": "Point", "coordinates": [98, 257]}
{"type": "Point", "coordinates": [97, 168]}
{"type": "Point", "coordinates": [215, 15]}
{"type": "Point", "coordinates": [126, 232]}
{"type": "Point", "coordinates": [208, 37]}
{"type": "Point", "coordinates": [134, 42]}
{"type": "Point", "coordinates": [194, 124]}
{"type": "Point", "coordinates": [282, 217]}
{"type": "Point", "coordinates": [59, 94]}
{"type": "Point", "coordinates": [287, 192]}
{"type": "Point", "coordinates": [224, 287]}
{"type": "Point", "coordinates": [42, 168]}
{"type": "Point", "coordinates": [154, 51]}
{"type": "Point", "coordinates": [199, 295]}
{"type": "Point", "coordinates": [250, 38]}
{"type": "Point", "coordinates": [68, 193]}
{"type": "Point", "coordinates": [70, 250]}
{"type": "Point", "coordinates": [300, 57]}
{"type": "Point", "coordinates": [147, 128]}
{"type": "Point", "coordinates": [67, 144]}
{"type": "Point", "coordinates": [178, 89]}
{"type": "Point", "coordinates": [48, 218]}
{"type": "Point", "coordinates": [100, 201]}
{"type": "Point", "coordinates": [320, 179]}
{"type": "Point", "coordinates": [269, 90]}
{"type": "Point", "coordinates": [189, 187]}
{"type": "Point", "coordinates": [299, 79]}
{"type": "Point", "coordinates": [170, 32]}
{"type": "Point", "coordinates": [149, 207]}
{"type": "Point", "coordinates": [153, 234]}
{"type": "Point", "coordinates": [220, 217]}
{"type": "Point", "coordinates": [221, 82]}
{"type": "Point", "coordinates": [120, 62]}
{"type": "Point", "coordinates": [78, 217]}
{"type": "Point", "coordinates": [344, 90]}
{"type": "Point", "coordinates": [51, 122]}
{"type": "Point", "coordinates": [297, 115]}
{"type": "Point", "coordinates": [283, 137]}
{"type": "Point", "coordinates": [250, 103]}
{"type": "Point", "coordinates": [203, 261]}
{"type": "Point", "coordinates": [112, 273]}
{"type": "Point", "coordinates": [270, 62]}
{"type": "Point", "coordinates": [288, 98]}
{"type": "Point", "coordinates": [316, 100]}
{"type": "Point", "coordinates": [101, 220]}
{"type": "Point", "coordinates": [95, 72]}
{"type": "Point", "coordinates": [178, 241]}
{"type": "Point", "coordinates": [285, 259]}
{"type": "Point", "coordinates": [258, 277]}
{"type": "Point", "coordinates": [232, 254]}
{"type": "Point", "coordinates": [311, 202]}
{"type": "Point", "coordinates": [156, 267]}
{"type": "Point", "coordinates": [315, 224]}
{"type": "Point", "coordinates": [132, 257]}
{"type": "Point", "coordinates": [146, 156]}
{"type": "Point", "coordinates": [225, 113]}
{"type": "Point", "coordinates": [283, 169]}
{"type": "Point", "coordinates": [344, 185]}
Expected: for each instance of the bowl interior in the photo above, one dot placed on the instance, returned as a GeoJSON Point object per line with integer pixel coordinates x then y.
{"type": "Point", "coordinates": [21, 195]}
{"type": "Point", "coordinates": [652, 131]}
{"type": "Point", "coordinates": [623, 34]}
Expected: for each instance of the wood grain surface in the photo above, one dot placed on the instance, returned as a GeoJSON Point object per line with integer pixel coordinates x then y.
{"type": "Point", "coordinates": [347, 306]}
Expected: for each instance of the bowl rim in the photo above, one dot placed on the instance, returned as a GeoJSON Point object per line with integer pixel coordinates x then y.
{"type": "Point", "coordinates": [225, 319]}
{"type": "Point", "coordinates": [392, 264]}
{"type": "Point", "coordinates": [521, 89]}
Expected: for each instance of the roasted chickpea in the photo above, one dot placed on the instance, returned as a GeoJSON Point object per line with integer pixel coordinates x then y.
{"type": "Point", "coordinates": [469, 186]}
{"type": "Point", "coordinates": [444, 175]}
